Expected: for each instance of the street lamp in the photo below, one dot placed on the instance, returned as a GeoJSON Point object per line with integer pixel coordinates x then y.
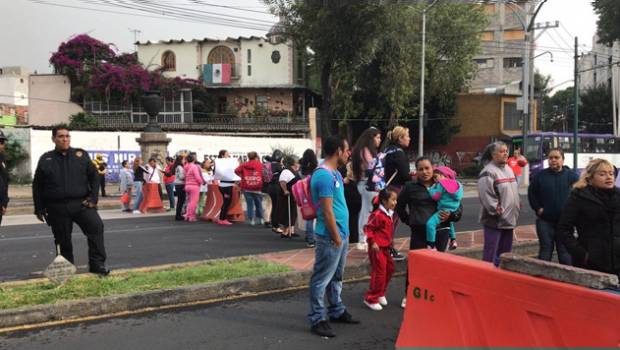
{"type": "Point", "coordinates": [151, 103]}
{"type": "Point", "coordinates": [421, 115]}
{"type": "Point", "coordinates": [544, 53]}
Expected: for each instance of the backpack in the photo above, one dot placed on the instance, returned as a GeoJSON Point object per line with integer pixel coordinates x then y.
{"type": "Point", "coordinates": [376, 176]}
{"type": "Point", "coordinates": [267, 172]}
{"type": "Point", "coordinates": [253, 181]}
{"type": "Point", "coordinates": [303, 196]}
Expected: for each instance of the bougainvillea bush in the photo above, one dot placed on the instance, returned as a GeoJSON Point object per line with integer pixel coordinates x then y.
{"type": "Point", "coordinates": [98, 71]}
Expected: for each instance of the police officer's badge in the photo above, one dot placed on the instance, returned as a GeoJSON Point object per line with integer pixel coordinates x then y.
{"type": "Point", "coordinates": [79, 154]}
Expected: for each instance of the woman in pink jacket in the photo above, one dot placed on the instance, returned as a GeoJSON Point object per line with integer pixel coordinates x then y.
{"type": "Point", "coordinates": [193, 181]}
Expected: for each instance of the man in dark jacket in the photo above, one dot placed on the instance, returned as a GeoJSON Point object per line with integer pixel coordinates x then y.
{"type": "Point", "coordinates": [547, 195]}
{"type": "Point", "coordinates": [65, 190]}
{"type": "Point", "coordinates": [4, 178]}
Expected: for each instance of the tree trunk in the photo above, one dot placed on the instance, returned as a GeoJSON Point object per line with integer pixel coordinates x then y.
{"type": "Point", "coordinates": [327, 105]}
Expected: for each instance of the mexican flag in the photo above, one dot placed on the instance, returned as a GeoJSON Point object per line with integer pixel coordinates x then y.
{"type": "Point", "coordinates": [217, 73]}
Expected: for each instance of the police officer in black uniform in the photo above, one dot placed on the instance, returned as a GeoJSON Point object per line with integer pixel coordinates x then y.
{"type": "Point", "coordinates": [4, 178]}
{"type": "Point", "coordinates": [65, 190]}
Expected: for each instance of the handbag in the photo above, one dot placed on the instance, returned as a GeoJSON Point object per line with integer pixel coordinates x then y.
{"type": "Point", "coordinates": [125, 198]}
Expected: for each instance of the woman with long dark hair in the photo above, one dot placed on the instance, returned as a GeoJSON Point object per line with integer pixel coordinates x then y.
{"type": "Point", "coordinates": [138, 180]}
{"type": "Point", "coordinates": [287, 207]}
{"type": "Point", "coordinates": [273, 189]}
{"type": "Point", "coordinates": [415, 206]}
{"type": "Point", "coordinates": [179, 185]}
{"type": "Point", "coordinates": [308, 163]}
{"type": "Point", "coordinates": [364, 157]}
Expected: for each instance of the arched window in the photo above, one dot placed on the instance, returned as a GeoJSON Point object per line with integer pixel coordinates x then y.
{"type": "Point", "coordinates": [169, 61]}
{"type": "Point", "coordinates": [221, 54]}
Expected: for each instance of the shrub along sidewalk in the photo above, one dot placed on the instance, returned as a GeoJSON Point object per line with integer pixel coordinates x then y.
{"type": "Point", "coordinates": [88, 286]}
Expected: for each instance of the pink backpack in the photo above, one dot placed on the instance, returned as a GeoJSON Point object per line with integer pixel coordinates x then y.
{"type": "Point", "coordinates": [303, 197]}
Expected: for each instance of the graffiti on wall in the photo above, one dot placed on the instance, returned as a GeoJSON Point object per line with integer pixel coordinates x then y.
{"type": "Point", "coordinates": [439, 158]}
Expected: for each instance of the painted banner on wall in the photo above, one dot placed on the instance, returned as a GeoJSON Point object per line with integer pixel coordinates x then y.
{"type": "Point", "coordinates": [114, 160]}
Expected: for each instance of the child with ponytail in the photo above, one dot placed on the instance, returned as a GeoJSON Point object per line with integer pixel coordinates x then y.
{"type": "Point", "coordinates": [379, 236]}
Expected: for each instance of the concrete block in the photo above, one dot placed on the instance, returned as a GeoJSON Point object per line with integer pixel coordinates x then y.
{"type": "Point", "coordinates": [557, 272]}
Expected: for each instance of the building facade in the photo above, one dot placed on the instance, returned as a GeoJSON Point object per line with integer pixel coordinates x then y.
{"type": "Point", "coordinates": [13, 95]}
{"type": "Point", "coordinates": [260, 76]}
{"type": "Point", "coordinates": [485, 116]}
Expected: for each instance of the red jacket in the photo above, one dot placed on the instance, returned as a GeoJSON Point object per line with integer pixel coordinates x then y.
{"type": "Point", "coordinates": [251, 173]}
{"type": "Point", "coordinates": [169, 170]}
{"type": "Point", "coordinates": [379, 229]}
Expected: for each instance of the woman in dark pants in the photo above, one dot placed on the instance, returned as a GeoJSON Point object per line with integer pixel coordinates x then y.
{"type": "Point", "coordinates": [179, 185]}
{"type": "Point", "coordinates": [273, 189]}
{"type": "Point", "coordinates": [415, 206]}
{"type": "Point", "coordinates": [354, 201]}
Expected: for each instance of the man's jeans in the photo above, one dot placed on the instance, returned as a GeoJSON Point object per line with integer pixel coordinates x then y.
{"type": "Point", "coordinates": [138, 186]}
{"type": "Point", "coordinates": [327, 279]}
{"type": "Point", "coordinates": [310, 231]}
{"type": "Point", "coordinates": [547, 239]}
{"type": "Point", "coordinates": [254, 200]}
{"type": "Point", "coordinates": [170, 193]}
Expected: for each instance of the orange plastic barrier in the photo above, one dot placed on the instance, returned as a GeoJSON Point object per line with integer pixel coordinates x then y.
{"type": "Point", "coordinates": [151, 201]}
{"type": "Point", "coordinates": [213, 204]}
{"type": "Point", "coordinates": [214, 201]}
{"type": "Point", "coordinates": [459, 302]}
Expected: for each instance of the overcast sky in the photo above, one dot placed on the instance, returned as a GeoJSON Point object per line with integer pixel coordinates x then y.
{"type": "Point", "coordinates": [31, 30]}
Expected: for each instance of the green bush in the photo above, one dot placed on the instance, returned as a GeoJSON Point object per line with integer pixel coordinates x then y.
{"type": "Point", "coordinates": [14, 154]}
{"type": "Point", "coordinates": [82, 121]}
{"type": "Point", "coordinates": [472, 171]}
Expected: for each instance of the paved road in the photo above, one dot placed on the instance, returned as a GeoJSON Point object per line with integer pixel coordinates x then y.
{"type": "Point", "coordinates": [269, 322]}
{"type": "Point", "coordinates": [145, 241]}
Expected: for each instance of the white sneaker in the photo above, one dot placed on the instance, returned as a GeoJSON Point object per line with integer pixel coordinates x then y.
{"type": "Point", "coordinates": [373, 307]}
{"type": "Point", "coordinates": [137, 212]}
{"type": "Point", "coordinates": [362, 246]}
{"type": "Point", "coordinates": [383, 301]}
{"type": "Point", "coordinates": [403, 304]}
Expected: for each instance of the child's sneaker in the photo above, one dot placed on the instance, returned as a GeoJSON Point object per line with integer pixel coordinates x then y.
{"type": "Point", "coordinates": [373, 307]}
{"type": "Point", "coordinates": [403, 303]}
{"type": "Point", "coordinates": [383, 301]}
{"type": "Point", "coordinates": [396, 255]}
{"type": "Point", "coordinates": [453, 244]}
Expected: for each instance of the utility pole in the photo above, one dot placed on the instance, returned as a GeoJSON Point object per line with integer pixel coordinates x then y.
{"type": "Point", "coordinates": [576, 108]}
{"type": "Point", "coordinates": [532, 95]}
{"type": "Point", "coordinates": [135, 32]}
{"type": "Point", "coordinates": [421, 114]}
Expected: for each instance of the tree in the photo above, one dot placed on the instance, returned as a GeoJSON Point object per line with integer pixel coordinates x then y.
{"type": "Point", "coordinates": [558, 111]}
{"type": "Point", "coordinates": [14, 155]}
{"type": "Point", "coordinates": [608, 24]}
{"type": "Point", "coordinates": [342, 35]}
{"type": "Point", "coordinates": [596, 110]}
{"type": "Point", "coordinates": [97, 71]}
{"type": "Point", "coordinates": [368, 57]}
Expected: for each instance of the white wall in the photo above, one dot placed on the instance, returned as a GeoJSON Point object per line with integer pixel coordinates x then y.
{"type": "Point", "coordinates": [264, 71]}
{"type": "Point", "coordinates": [50, 100]}
{"type": "Point", "coordinates": [14, 90]}
{"type": "Point", "coordinates": [203, 145]}
{"type": "Point", "coordinates": [185, 53]}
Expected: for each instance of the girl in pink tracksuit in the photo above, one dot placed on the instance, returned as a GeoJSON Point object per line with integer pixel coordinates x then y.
{"type": "Point", "coordinates": [193, 181]}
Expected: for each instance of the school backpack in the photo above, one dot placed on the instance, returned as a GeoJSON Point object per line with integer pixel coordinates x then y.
{"type": "Point", "coordinates": [376, 175]}
{"type": "Point", "coordinates": [303, 196]}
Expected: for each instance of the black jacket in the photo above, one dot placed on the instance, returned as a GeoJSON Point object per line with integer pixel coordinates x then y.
{"type": "Point", "coordinates": [396, 159]}
{"type": "Point", "coordinates": [415, 205]}
{"type": "Point", "coordinates": [60, 177]}
{"type": "Point", "coordinates": [4, 183]}
{"type": "Point", "coordinates": [550, 190]}
{"type": "Point", "coordinates": [596, 216]}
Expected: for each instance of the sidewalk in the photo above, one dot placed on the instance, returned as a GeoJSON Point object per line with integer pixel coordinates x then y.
{"type": "Point", "coordinates": [303, 259]}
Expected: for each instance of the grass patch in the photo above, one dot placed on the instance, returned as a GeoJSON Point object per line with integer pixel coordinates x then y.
{"type": "Point", "coordinates": [92, 286]}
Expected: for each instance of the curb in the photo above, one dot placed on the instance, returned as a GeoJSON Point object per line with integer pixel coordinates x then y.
{"type": "Point", "coordinates": [122, 305]}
